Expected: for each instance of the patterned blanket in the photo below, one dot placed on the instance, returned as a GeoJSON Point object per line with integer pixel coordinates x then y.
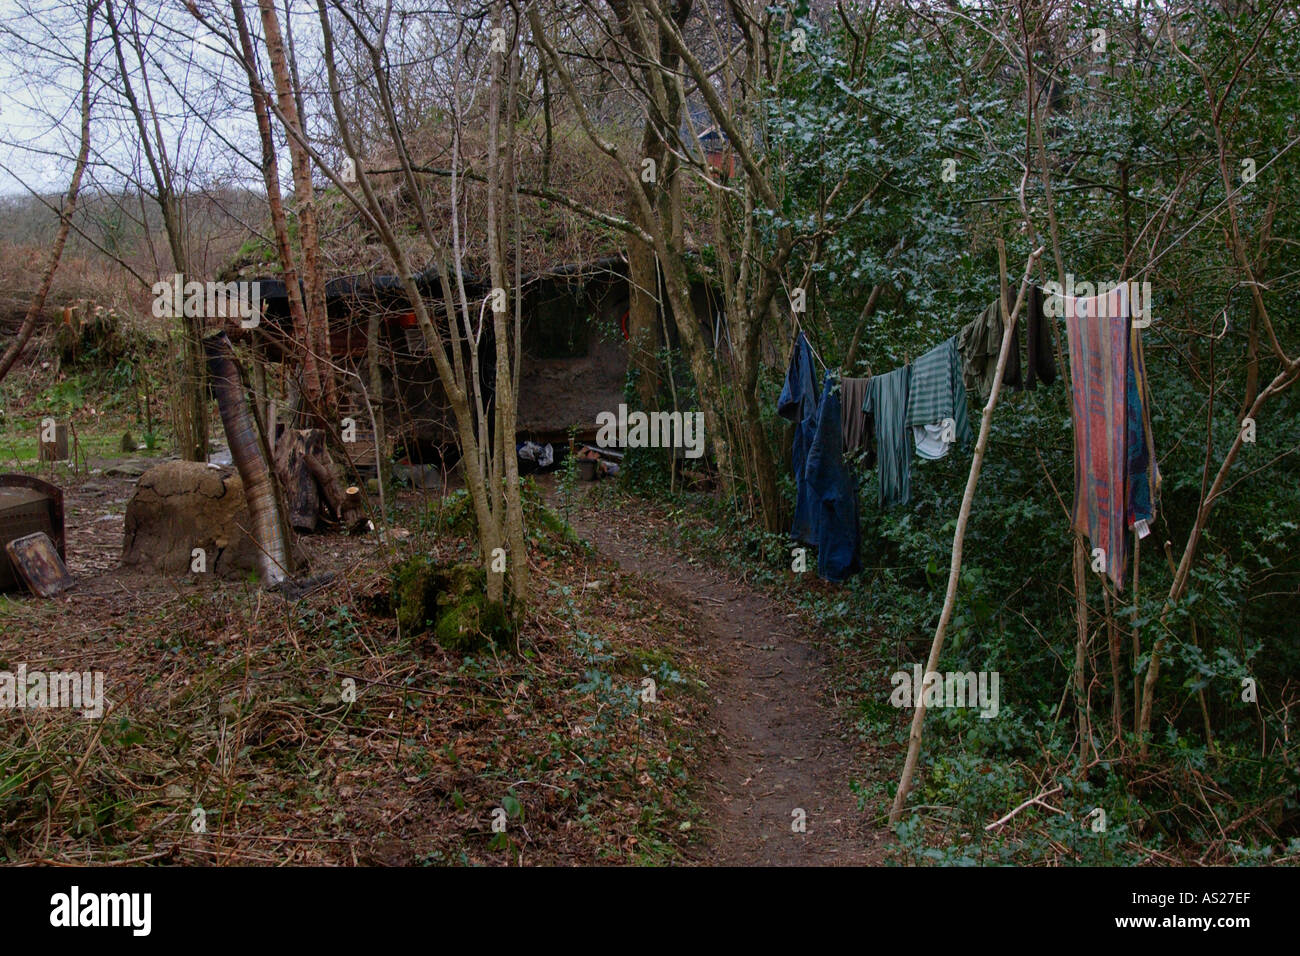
{"type": "Point", "coordinates": [1098, 331]}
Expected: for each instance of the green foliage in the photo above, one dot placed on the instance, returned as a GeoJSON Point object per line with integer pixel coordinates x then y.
{"type": "Point", "coordinates": [547, 530]}
{"type": "Point", "coordinates": [1129, 144]}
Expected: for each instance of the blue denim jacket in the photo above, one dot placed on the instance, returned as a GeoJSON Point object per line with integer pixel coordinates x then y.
{"type": "Point", "coordinates": [798, 403]}
{"type": "Point", "coordinates": [833, 491]}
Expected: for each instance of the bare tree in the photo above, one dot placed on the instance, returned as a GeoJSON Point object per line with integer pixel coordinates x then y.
{"type": "Point", "coordinates": [485, 435]}
{"type": "Point", "coordinates": [317, 379]}
{"type": "Point", "coordinates": [168, 193]}
{"type": "Point", "coordinates": [730, 80]}
{"type": "Point", "coordinates": [305, 338]}
{"type": "Point", "coordinates": [1288, 366]}
{"type": "Point", "coordinates": [37, 306]}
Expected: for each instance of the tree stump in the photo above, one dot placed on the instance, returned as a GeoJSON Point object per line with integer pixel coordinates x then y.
{"type": "Point", "coordinates": [310, 479]}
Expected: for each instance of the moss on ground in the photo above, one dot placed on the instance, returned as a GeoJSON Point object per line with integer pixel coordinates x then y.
{"type": "Point", "coordinates": [450, 601]}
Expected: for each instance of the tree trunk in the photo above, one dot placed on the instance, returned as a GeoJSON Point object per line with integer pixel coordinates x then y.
{"type": "Point", "coordinates": [959, 535]}
{"type": "Point", "coordinates": [643, 316]}
{"type": "Point", "coordinates": [763, 473]}
{"type": "Point", "coordinates": [1284, 379]}
{"type": "Point", "coordinates": [1078, 679]}
{"type": "Point", "coordinates": [376, 399]}
{"type": "Point", "coordinates": [318, 379]}
{"type": "Point", "coordinates": [344, 502]}
{"type": "Point", "coordinates": [248, 449]}
{"type": "Point", "coordinates": [499, 164]}
{"type": "Point", "coordinates": [300, 339]}
{"type": "Point", "coordinates": [300, 494]}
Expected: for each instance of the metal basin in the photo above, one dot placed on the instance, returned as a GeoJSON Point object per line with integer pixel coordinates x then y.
{"type": "Point", "coordinates": [27, 505]}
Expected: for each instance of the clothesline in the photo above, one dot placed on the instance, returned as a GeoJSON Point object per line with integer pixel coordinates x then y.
{"type": "Point", "coordinates": [808, 339]}
{"type": "Point", "coordinates": [921, 409]}
{"type": "Point", "coordinates": [907, 358]}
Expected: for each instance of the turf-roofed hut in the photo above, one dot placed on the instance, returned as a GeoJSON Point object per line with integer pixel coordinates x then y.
{"type": "Point", "coordinates": [573, 297]}
{"type": "Point", "coordinates": [574, 352]}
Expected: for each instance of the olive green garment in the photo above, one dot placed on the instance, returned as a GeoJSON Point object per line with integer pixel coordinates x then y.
{"type": "Point", "coordinates": [979, 342]}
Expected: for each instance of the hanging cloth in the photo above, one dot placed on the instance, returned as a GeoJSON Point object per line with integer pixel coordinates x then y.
{"type": "Point", "coordinates": [886, 409]}
{"type": "Point", "coordinates": [798, 404]}
{"type": "Point", "coordinates": [853, 392]}
{"type": "Point", "coordinates": [833, 490]}
{"type": "Point", "coordinates": [980, 342]}
{"type": "Point", "coordinates": [1040, 362]}
{"type": "Point", "coordinates": [937, 397]}
{"type": "Point", "coordinates": [1115, 477]}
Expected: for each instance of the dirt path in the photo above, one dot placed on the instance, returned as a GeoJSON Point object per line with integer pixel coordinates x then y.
{"type": "Point", "coordinates": [780, 746]}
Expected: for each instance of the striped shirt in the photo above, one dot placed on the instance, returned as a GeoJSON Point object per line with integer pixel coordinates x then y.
{"type": "Point", "coordinates": [936, 391]}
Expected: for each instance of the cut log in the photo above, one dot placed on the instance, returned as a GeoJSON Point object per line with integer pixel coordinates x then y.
{"type": "Point", "coordinates": [291, 464]}
{"type": "Point", "coordinates": [346, 507]}
{"type": "Point", "coordinates": [355, 506]}
{"type": "Point", "coordinates": [312, 487]}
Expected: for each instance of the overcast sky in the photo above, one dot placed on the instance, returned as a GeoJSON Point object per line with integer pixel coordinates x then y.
{"type": "Point", "coordinates": [40, 50]}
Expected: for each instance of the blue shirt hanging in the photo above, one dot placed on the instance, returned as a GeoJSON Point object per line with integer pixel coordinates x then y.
{"type": "Point", "coordinates": [833, 492]}
{"type": "Point", "coordinates": [798, 403]}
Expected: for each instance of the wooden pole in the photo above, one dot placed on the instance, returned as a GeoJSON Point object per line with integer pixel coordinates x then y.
{"type": "Point", "coordinates": [954, 572]}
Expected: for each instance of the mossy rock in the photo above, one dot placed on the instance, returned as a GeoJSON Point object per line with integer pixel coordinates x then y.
{"type": "Point", "coordinates": [471, 623]}
{"type": "Point", "coordinates": [450, 601]}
